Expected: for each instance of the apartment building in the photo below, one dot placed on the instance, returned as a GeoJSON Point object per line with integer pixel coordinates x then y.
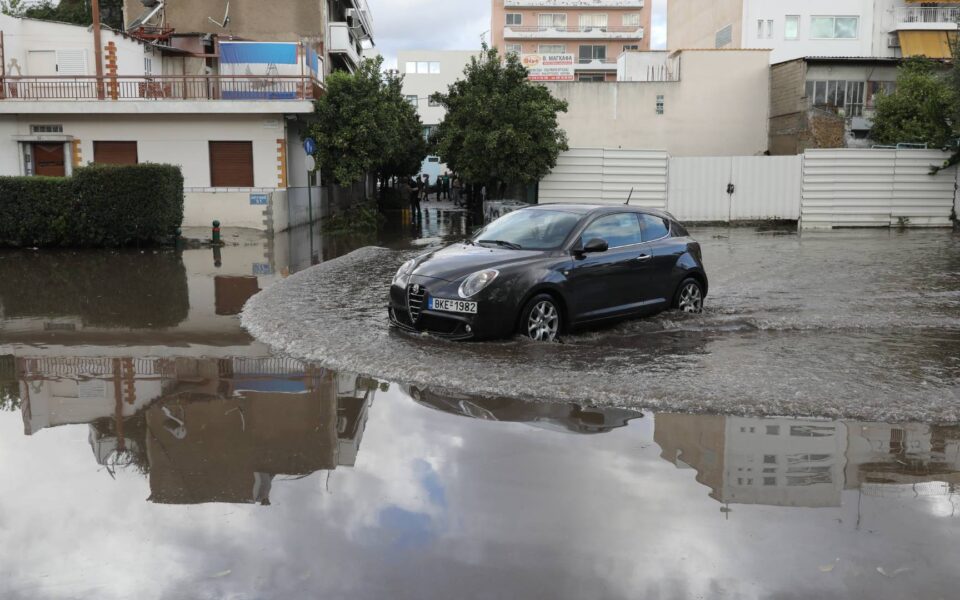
{"type": "Point", "coordinates": [585, 36]}
{"type": "Point", "coordinates": [426, 72]}
{"type": "Point", "coordinates": [794, 29]}
{"type": "Point", "coordinates": [339, 29]}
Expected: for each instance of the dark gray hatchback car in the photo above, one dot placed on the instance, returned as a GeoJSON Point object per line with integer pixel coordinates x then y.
{"type": "Point", "coordinates": [544, 270]}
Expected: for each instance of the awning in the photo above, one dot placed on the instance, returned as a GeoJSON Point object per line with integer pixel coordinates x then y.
{"type": "Point", "coordinates": [932, 44]}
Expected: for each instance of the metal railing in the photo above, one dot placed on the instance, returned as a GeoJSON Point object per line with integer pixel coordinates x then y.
{"type": "Point", "coordinates": [923, 14]}
{"type": "Point", "coordinates": [158, 87]}
{"type": "Point", "coordinates": [575, 3]}
{"type": "Point", "coordinates": [579, 29]}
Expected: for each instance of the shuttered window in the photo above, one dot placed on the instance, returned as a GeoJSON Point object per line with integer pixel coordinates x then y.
{"type": "Point", "coordinates": [115, 153]}
{"type": "Point", "coordinates": [231, 164]}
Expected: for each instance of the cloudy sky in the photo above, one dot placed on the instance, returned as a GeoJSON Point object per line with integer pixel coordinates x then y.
{"type": "Point", "coordinates": [452, 25]}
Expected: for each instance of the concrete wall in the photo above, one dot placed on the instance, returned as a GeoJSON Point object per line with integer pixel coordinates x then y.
{"type": "Point", "coordinates": [719, 107]}
{"type": "Point", "coordinates": [695, 23]}
{"type": "Point", "coordinates": [788, 106]}
{"type": "Point", "coordinates": [452, 64]}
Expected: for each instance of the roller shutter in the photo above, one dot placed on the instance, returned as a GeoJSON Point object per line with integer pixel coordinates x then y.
{"type": "Point", "coordinates": [231, 164]}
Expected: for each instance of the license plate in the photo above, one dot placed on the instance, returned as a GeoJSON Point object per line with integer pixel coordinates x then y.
{"type": "Point", "coordinates": [458, 306]}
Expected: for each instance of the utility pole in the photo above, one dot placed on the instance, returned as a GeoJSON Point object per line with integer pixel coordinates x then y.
{"type": "Point", "coordinates": [97, 46]}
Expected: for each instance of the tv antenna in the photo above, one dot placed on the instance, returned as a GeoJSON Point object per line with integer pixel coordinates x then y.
{"type": "Point", "coordinates": [627, 203]}
{"type": "Point", "coordinates": [226, 18]}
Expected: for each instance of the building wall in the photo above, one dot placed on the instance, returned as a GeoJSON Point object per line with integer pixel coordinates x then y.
{"type": "Point", "coordinates": [181, 140]}
{"type": "Point", "coordinates": [719, 107]}
{"type": "Point", "coordinates": [788, 106]}
{"type": "Point", "coordinates": [695, 23]}
{"type": "Point", "coordinates": [286, 20]}
{"type": "Point", "coordinates": [452, 64]}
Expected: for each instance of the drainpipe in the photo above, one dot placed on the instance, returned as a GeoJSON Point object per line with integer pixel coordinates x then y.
{"type": "Point", "coordinates": [97, 46]}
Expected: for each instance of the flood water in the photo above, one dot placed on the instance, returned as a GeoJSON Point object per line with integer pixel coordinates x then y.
{"type": "Point", "coordinates": [151, 448]}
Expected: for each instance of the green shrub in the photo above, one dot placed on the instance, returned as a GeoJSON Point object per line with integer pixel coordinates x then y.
{"type": "Point", "coordinates": [99, 206]}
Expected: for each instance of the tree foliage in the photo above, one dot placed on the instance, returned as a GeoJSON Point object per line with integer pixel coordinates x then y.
{"type": "Point", "coordinates": [67, 11]}
{"type": "Point", "coordinates": [499, 126]}
{"type": "Point", "coordinates": [363, 124]}
{"type": "Point", "coordinates": [919, 110]}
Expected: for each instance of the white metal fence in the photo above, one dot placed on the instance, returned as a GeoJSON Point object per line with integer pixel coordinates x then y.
{"type": "Point", "coordinates": [821, 189]}
{"type": "Point", "coordinates": [875, 188]}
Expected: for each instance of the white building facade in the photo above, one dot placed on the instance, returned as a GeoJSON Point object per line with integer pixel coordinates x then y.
{"type": "Point", "coordinates": [426, 72]}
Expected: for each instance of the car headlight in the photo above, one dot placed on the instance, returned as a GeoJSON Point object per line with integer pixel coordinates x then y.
{"type": "Point", "coordinates": [476, 282]}
{"type": "Point", "coordinates": [404, 271]}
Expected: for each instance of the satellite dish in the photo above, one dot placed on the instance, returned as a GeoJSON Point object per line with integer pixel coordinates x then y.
{"type": "Point", "coordinates": [226, 18]}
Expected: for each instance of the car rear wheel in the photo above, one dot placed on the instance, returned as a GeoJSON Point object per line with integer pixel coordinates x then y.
{"type": "Point", "coordinates": [541, 319]}
{"type": "Point", "coordinates": [689, 298]}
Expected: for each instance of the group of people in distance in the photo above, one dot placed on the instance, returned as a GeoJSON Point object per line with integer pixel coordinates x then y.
{"type": "Point", "coordinates": [446, 187]}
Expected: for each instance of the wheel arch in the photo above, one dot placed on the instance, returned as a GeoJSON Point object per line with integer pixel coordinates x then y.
{"type": "Point", "coordinates": [555, 293]}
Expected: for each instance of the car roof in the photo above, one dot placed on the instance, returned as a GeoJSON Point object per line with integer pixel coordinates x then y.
{"type": "Point", "coordinates": [584, 209]}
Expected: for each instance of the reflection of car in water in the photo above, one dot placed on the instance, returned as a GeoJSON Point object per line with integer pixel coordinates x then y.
{"type": "Point", "coordinates": [565, 417]}
{"type": "Point", "coordinates": [543, 270]}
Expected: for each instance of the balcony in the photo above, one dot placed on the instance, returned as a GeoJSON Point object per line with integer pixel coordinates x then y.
{"type": "Point", "coordinates": [157, 94]}
{"type": "Point", "coordinates": [514, 32]}
{"type": "Point", "coordinates": [921, 18]}
{"type": "Point", "coordinates": [340, 41]}
{"type": "Point", "coordinates": [598, 64]}
{"type": "Point", "coordinates": [573, 3]}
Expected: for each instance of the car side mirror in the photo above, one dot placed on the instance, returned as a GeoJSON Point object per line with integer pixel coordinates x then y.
{"type": "Point", "coordinates": [595, 245]}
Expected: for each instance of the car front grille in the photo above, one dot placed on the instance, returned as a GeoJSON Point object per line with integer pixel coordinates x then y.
{"type": "Point", "coordinates": [416, 295]}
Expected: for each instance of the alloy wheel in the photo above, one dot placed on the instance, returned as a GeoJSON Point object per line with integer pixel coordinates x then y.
{"type": "Point", "coordinates": [543, 322]}
{"type": "Point", "coordinates": [691, 298]}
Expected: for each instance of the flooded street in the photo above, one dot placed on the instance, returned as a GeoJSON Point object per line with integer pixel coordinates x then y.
{"type": "Point", "coordinates": [150, 447]}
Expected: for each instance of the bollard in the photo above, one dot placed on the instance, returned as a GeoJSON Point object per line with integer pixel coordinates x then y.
{"type": "Point", "coordinates": [216, 232]}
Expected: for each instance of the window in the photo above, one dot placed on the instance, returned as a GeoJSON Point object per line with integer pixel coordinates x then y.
{"type": "Point", "coordinates": [617, 230]}
{"type": "Point", "coordinates": [423, 67]}
{"type": "Point", "coordinates": [652, 228]}
{"type": "Point", "coordinates": [724, 37]}
{"type": "Point", "coordinates": [147, 65]}
{"type": "Point", "coordinates": [769, 481]}
{"type": "Point", "coordinates": [631, 20]}
{"type": "Point", "coordinates": [847, 96]}
{"type": "Point", "coordinates": [773, 430]}
{"type": "Point", "coordinates": [631, 48]}
{"type": "Point", "coordinates": [764, 29]}
{"type": "Point", "coordinates": [429, 131]}
{"type": "Point", "coordinates": [791, 27]}
{"type": "Point", "coordinates": [115, 153]}
{"type": "Point", "coordinates": [551, 49]}
{"type": "Point", "coordinates": [552, 20]}
{"type": "Point", "coordinates": [514, 49]}
{"type": "Point", "coordinates": [414, 100]}
{"type": "Point", "coordinates": [433, 159]}
{"type": "Point", "coordinates": [231, 164]}
{"type": "Point", "coordinates": [590, 20]}
{"type": "Point", "coordinates": [514, 19]}
{"type": "Point", "coordinates": [660, 103]}
{"type": "Point", "coordinates": [432, 102]}
{"type": "Point", "coordinates": [46, 129]}
{"type": "Point", "coordinates": [769, 459]}
{"type": "Point", "coordinates": [591, 53]}
{"type": "Point", "coordinates": [591, 77]}
{"type": "Point", "coordinates": [834, 28]}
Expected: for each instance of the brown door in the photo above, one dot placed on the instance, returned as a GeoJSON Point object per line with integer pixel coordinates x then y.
{"type": "Point", "coordinates": [115, 153]}
{"type": "Point", "coordinates": [48, 160]}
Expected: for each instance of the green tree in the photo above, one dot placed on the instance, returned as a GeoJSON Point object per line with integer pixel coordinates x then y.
{"type": "Point", "coordinates": [67, 11]}
{"type": "Point", "coordinates": [921, 108]}
{"type": "Point", "coordinates": [363, 124]}
{"type": "Point", "coordinates": [500, 128]}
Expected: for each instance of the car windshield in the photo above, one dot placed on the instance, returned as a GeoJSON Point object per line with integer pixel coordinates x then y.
{"type": "Point", "coordinates": [529, 230]}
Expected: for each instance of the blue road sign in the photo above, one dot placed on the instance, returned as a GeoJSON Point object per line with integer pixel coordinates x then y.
{"type": "Point", "coordinates": [309, 145]}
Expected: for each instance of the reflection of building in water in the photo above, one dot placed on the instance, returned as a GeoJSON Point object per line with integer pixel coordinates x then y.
{"type": "Point", "coordinates": [204, 430]}
{"type": "Point", "coordinates": [567, 417]}
{"type": "Point", "coordinates": [794, 462]}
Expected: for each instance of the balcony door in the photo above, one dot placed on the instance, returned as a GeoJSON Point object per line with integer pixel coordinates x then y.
{"type": "Point", "coordinates": [590, 20]}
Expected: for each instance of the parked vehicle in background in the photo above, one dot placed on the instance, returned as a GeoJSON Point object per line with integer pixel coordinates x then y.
{"type": "Point", "coordinates": [544, 270]}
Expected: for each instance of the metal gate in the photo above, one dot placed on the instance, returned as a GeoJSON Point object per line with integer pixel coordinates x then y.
{"type": "Point", "coordinates": [598, 176]}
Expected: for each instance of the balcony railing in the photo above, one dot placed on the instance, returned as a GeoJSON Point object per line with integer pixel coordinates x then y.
{"type": "Point", "coordinates": [932, 15]}
{"type": "Point", "coordinates": [574, 3]}
{"type": "Point", "coordinates": [160, 87]}
{"type": "Point", "coordinates": [614, 31]}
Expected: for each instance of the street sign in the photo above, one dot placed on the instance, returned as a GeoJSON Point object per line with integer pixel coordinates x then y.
{"type": "Point", "coordinates": [309, 145]}
{"type": "Point", "coordinates": [311, 163]}
{"type": "Point", "coordinates": [258, 200]}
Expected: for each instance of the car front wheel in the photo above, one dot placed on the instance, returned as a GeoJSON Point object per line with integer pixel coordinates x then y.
{"type": "Point", "coordinates": [541, 319]}
{"type": "Point", "coordinates": [689, 298]}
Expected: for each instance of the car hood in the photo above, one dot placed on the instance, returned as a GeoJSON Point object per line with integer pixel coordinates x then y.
{"type": "Point", "coordinates": [459, 260]}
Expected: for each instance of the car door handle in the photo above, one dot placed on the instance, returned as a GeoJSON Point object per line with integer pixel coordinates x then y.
{"type": "Point", "coordinates": [643, 257]}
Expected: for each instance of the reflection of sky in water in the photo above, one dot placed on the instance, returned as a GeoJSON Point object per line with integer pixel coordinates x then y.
{"type": "Point", "coordinates": [443, 506]}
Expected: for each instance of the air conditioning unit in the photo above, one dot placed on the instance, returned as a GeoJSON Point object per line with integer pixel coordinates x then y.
{"type": "Point", "coordinates": [353, 17]}
{"type": "Point", "coordinates": [893, 40]}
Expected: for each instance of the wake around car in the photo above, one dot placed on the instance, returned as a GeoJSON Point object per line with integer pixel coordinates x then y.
{"type": "Point", "coordinates": [544, 270]}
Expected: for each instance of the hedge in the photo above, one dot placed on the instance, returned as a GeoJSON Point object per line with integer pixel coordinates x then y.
{"type": "Point", "coordinates": [99, 206]}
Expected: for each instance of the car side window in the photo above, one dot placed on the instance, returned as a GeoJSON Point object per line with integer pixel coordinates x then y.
{"type": "Point", "coordinates": [617, 230]}
{"type": "Point", "coordinates": [652, 228]}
